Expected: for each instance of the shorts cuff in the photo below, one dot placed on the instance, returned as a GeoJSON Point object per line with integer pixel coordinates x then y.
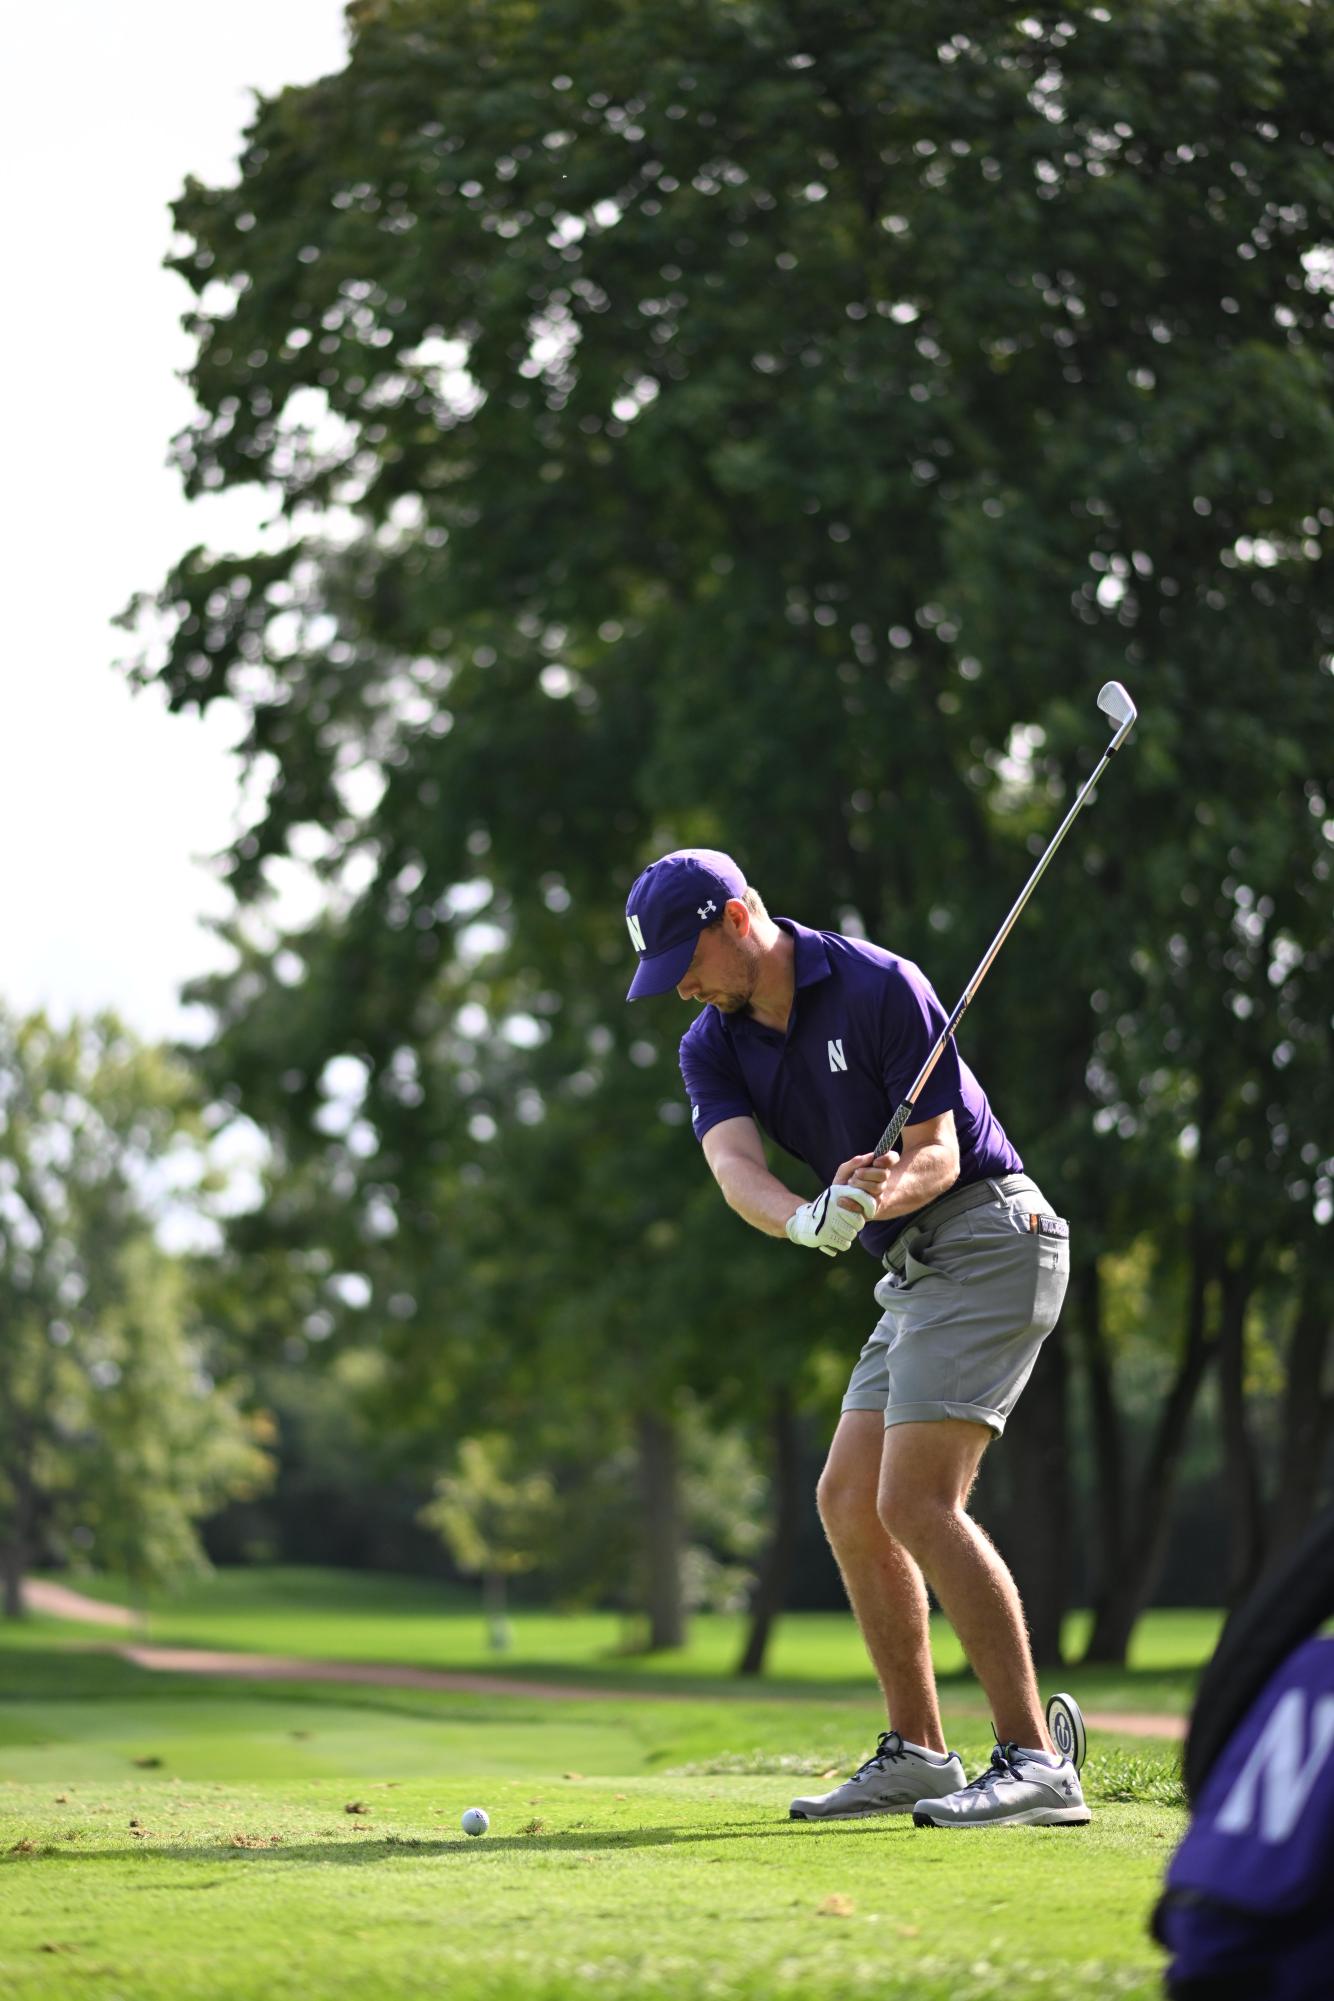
{"type": "Point", "coordinates": [932, 1413]}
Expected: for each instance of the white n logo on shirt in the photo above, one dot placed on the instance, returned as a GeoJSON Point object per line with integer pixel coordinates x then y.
{"type": "Point", "coordinates": [837, 1060]}
{"type": "Point", "coordinates": [636, 935]}
{"type": "Point", "coordinates": [1281, 1772]}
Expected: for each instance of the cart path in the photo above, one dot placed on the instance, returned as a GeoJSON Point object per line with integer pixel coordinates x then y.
{"type": "Point", "coordinates": [59, 1602]}
{"type": "Point", "coordinates": [63, 1603]}
{"type": "Point", "coordinates": [374, 1674]}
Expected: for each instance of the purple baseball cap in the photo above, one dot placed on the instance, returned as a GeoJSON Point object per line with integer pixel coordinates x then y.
{"type": "Point", "coordinates": [669, 906]}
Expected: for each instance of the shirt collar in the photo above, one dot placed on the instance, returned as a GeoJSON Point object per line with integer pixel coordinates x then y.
{"type": "Point", "coordinates": [810, 963]}
{"type": "Point", "coordinates": [811, 954]}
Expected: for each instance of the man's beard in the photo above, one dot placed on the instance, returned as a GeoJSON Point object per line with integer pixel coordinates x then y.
{"type": "Point", "coordinates": [736, 999]}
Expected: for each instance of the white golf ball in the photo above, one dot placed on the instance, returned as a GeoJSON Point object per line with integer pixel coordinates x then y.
{"type": "Point", "coordinates": [476, 1820]}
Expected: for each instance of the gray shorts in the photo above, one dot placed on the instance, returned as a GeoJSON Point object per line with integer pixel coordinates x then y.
{"type": "Point", "coordinates": [977, 1295]}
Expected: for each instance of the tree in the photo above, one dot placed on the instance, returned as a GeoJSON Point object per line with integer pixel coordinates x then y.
{"type": "Point", "coordinates": [115, 1440]}
{"type": "Point", "coordinates": [766, 426]}
{"type": "Point", "coordinates": [493, 1521]}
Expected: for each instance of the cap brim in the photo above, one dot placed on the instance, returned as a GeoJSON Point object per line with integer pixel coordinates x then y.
{"type": "Point", "coordinates": [660, 972]}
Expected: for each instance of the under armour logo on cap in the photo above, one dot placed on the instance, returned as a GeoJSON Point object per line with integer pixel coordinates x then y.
{"type": "Point", "coordinates": [668, 907]}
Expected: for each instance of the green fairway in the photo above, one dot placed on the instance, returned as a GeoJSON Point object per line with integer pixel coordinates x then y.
{"type": "Point", "coordinates": [352, 1615]}
{"type": "Point", "coordinates": [165, 1836]}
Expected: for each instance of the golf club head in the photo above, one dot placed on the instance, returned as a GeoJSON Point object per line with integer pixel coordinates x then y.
{"type": "Point", "coordinates": [1117, 706]}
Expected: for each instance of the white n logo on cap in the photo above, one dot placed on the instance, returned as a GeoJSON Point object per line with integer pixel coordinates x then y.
{"type": "Point", "coordinates": [837, 1060]}
{"type": "Point", "coordinates": [636, 935]}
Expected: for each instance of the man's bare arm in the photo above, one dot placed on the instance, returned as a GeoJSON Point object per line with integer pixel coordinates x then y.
{"type": "Point", "coordinates": [735, 1152]}
{"type": "Point", "coordinates": [927, 1165]}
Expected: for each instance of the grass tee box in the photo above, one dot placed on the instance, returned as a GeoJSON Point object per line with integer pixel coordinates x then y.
{"type": "Point", "coordinates": [171, 1836]}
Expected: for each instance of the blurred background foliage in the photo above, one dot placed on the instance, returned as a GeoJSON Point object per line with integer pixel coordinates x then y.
{"type": "Point", "coordinates": [123, 1422]}
{"type": "Point", "coordinates": [767, 425]}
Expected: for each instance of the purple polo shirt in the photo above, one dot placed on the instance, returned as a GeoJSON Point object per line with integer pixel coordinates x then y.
{"type": "Point", "coordinates": [862, 1025]}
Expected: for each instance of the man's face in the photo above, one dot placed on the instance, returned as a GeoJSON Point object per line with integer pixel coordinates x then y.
{"type": "Point", "coordinates": [724, 969]}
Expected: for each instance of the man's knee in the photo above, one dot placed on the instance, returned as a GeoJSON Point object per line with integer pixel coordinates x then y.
{"type": "Point", "coordinates": [912, 1517]}
{"type": "Point", "coordinates": [847, 1506]}
{"type": "Point", "coordinates": [845, 1492]}
{"type": "Point", "coordinates": [925, 1479]}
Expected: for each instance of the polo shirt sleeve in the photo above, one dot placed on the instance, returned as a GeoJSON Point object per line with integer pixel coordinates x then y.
{"type": "Point", "coordinates": [911, 1019]}
{"type": "Point", "coordinates": [714, 1084]}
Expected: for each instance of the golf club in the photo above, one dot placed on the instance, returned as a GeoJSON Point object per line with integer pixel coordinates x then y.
{"type": "Point", "coordinates": [1117, 706]}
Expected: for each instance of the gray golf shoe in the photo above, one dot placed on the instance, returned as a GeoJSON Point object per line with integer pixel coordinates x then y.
{"type": "Point", "coordinates": [893, 1780]}
{"type": "Point", "coordinates": [1015, 1790]}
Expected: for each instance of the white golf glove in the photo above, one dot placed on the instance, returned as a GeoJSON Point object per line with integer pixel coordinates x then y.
{"type": "Point", "coordinates": [824, 1225]}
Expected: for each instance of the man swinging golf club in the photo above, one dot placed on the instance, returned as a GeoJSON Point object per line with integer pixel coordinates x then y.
{"type": "Point", "coordinates": [814, 1037]}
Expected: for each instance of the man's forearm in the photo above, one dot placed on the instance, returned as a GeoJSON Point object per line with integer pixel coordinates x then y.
{"type": "Point", "coordinates": [764, 1202]}
{"type": "Point", "coordinates": [758, 1197]}
{"type": "Point", "coordinates": [919, 1177]}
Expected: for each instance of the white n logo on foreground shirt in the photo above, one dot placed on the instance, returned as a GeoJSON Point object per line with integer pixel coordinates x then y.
{"type": "Point", "coordinates": [837, 1060]}
{"type": "Point", "coordinates": [1280, 1774]}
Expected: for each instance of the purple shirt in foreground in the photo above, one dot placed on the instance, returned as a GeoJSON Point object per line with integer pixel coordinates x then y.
{"type": "Point", "coordinates": [862, 1024]}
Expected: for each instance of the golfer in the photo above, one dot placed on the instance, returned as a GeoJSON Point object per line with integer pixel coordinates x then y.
{"type": "Point", "coordinates": [815, 1039]}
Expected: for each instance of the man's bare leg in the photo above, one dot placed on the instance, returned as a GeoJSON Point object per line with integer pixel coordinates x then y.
{"type": "Point", "coordinates": [883, 1583]}
{"type": "Point", "coordinates": [926, 1475]}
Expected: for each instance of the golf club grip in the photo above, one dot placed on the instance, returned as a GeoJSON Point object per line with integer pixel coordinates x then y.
{"type": "Point", "coordinates": [894, 1128]}
{"type": "Point", "coordinates": [923, 1077]}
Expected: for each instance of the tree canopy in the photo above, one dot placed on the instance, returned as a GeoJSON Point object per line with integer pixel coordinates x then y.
{"type": "Point", "coordinates": [766, 426]}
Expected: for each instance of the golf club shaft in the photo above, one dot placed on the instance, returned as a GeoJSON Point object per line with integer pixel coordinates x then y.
{"type": "Point", "coordinates": [905, 1110]}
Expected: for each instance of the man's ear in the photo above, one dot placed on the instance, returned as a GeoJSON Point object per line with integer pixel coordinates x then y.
{"type": "Point", "coordinates": [738, 916]}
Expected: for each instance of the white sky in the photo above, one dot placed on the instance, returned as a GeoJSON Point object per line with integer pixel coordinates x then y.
{"type": "Point", "coordinates": [109, 807]}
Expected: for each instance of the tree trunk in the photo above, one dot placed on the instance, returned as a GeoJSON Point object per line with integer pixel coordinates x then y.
{"type": "Point", "coordinates": [1241, 1474]}
{"type": "Point", "coordinates": [1308, 1414]}
{"type": "Point", "coordinates": [16, 1552]}
{"type": "Point", "coordinates": [1125, 1594]}
{"type": "Point", "coordinates": [1109, 1452]}
{"type": "Point", "coordinates": [771, 1586]}
{"type": "Point", "coordinates": [660, 1496]}
{"type": "Point", "coordinates": [1037, 1449]}
{"type": "Point", "coordinates": [496, 1605]}
{"type": "Point", "coordinates": [11, 1569]}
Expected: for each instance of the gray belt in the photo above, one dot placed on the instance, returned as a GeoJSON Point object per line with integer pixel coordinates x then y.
{"type": "Point", "coordinates": [954, 1203]}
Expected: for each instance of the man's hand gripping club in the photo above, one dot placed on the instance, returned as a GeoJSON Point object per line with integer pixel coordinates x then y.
{"type": "Point", "coordinates": [832, 1221]}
